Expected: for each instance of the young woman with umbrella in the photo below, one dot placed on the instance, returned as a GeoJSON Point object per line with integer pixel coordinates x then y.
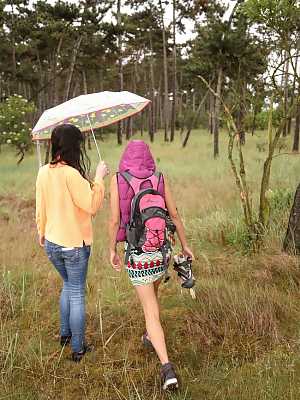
{"type": "Point", "coordinates": [66, 201]}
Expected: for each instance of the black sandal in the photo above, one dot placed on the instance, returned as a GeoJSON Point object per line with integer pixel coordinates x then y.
{"type": "Point", "coordinates": [65, 340]}
{"type": "Point", "coordinates": [77, 356]}
{"type": "Point", "coordinates": [147, 342]}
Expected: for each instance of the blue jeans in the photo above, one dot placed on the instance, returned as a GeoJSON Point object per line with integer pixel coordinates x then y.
{"type": "Point", "coordinates": [72, 265]}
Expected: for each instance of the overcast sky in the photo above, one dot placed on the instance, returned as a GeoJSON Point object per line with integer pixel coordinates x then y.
{"type": "Point", "coordinates": [168, 17]}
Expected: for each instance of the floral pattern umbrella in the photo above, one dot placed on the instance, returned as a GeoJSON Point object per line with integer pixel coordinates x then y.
{"type": "Point", "coordinates": [90, 111]}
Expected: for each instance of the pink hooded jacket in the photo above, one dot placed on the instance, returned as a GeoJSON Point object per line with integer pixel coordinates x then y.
{"type": "Point", "coordinates": [138, 161]}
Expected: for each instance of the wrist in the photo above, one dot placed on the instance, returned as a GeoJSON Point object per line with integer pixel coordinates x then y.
{"type": "Point", "coordinates": [98, 178]}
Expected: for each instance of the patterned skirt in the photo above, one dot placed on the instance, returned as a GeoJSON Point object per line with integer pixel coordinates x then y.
{"type": "Point", "coordinates": [144, 268]}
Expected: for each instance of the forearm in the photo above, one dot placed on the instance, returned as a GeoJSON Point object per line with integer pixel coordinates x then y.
{"type": "Point", "coordinates": [180, 230]}
{"type": "Point", "coordinates": [40, 227]}
{"type": "Point", "coordinates": [40, 213]}
{"type": "Point", "coordinates": [97, 196]}
{"type": "Point", "coordinates": [113, 227]}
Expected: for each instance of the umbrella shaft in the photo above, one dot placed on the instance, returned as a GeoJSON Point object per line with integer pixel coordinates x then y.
{"type": "Point", "coordinates": [38, 150]}
{"type": "Point", "coordinates": [93, 134]}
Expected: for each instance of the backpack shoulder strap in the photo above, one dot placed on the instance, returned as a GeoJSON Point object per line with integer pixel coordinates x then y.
{"type": "Point", "coordinates": [132, 181]}
{"type": "Point", "coordinates": [155, 179]}
{"type": "Point", "coordinates": [135, 183]}
{"type": "Point", "coordinates": [126, 175]}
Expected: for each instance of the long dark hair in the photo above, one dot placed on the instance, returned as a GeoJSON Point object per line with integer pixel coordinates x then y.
{"type": "Point", "coordinates": [68, 146]}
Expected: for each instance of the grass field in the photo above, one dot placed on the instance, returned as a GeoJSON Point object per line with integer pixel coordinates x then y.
{"type": "Point", "coordinates": [240, 338]}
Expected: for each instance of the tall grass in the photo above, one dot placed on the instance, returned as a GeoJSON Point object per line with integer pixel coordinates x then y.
{"type": "Point", "coordinates": [238, 340]}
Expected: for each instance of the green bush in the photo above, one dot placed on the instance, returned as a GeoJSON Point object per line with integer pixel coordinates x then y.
{"type": "Point", "coordinates": [14, 127]}
{"type": "Point", "coordinates": [239, 236]}
{"type": "Point", "coordinates": [262, 119]}
{"type": "Point", "coordinates": [280, 199]}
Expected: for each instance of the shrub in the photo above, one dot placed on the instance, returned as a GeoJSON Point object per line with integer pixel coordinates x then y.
{"type": "Point", "coordinates": [262, 119]}
{"type": "Point", "coordinates": [280, 199]}
{"type": "Point", "coordinates": [14, 128]}
{"type": "Point", "coordinates": [239, 236]}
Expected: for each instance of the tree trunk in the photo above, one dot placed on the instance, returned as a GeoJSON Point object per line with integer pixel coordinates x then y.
{"type": "Point", "coordinates": [85, 91]}
{"type": "Point", "coordinates": [134, 76]}
{"type": "Point", "coordinates": [293, 91]}
{"type": "Point", "coordinates": [197, 113]}
{"type": "Point", "coordinates": [128, 128]}
{"type": "Point", "coordinates": [263, 204]}
{"type": "Point", "coordinates": [84, 82]}
{"type": "Point", "coordinates": [173, 118]}
{"type": "Point", "coordinates": [54, 73]}
{"type": "Point", "coordinates": [297, 126]}
{"type": "Point", "coordinates": [166, 89]}
{"type": "Point", "coordinates": [156, 112]}
{"type": "Point", "coordinates": [286, 93]}
{"type": "Point", "coordinates": [159, 117]}
{"type": "Point", "coordinates": [211, 113]}
{"type": "Point", "coordinates": [13, 44]}
{"type": "Point", "coordinates": [185, 114]}
{"type": "Point", "coordinates": [194, 100]}
{"type": "Point", "coordinates": [151, 127]}
{"type": "Point", "coordinates": [72, 66]}
{"type": "Point", "coordinates": [101, 80]}
{"type": "Point", "coordinates": [142, 123]}
{"type": "Point", "coordinates": [47, 154]}
{"type": "Point", "coordinates": [120, 64]}
{"type": "Point", "coordinates": [152, 106]}
{"type": "Point", "coordinates": [253, 124]}
{"type": "Point", "coordinates": [41, 93]}
{"type": "Point", "coordinates": [241, 113]}
{"type": "Point", "coordinates": [217, 112]}
{"type": "Point", "coordinates": [75, 89]}
{"type": "Point", "coordinates": [180, 105]}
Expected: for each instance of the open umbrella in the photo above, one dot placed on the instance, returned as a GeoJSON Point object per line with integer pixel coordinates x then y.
{"type": "Point", "coordinates": [89, 111]}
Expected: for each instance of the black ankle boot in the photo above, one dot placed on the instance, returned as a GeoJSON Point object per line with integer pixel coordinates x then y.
{"type": "Point", "coordinates": [65, 340]}
{"type": "Point", "coordinates": [77, 356]}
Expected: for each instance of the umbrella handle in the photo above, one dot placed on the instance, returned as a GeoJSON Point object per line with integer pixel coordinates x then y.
{"type": "Point", "coordinates": [93, 134]}
{"type": "Point", "coordinates": [38, 151]}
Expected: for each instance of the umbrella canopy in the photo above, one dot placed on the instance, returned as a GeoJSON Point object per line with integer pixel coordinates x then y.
{"type": "Point", "coordinates": [94, 110]}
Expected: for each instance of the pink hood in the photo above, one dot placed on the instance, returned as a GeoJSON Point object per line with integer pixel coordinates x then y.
{"type": "Point", "coordinates": [137, 159]}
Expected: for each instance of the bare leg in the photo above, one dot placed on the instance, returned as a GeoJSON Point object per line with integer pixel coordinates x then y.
{"type": "Point", "coordinates": [156, 287]}
{"type": "Point", "coordinates": [148, 298]}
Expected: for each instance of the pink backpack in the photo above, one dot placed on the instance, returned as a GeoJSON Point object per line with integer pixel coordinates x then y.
{"type": "Point", "coordinates": [147, 225]}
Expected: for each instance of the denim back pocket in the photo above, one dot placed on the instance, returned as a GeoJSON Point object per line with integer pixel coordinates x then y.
{"type": "Point", "coordinates": [70, 254]}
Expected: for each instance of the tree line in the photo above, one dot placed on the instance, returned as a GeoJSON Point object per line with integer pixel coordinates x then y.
{"type": "Point", "coordinates": [248, 60]}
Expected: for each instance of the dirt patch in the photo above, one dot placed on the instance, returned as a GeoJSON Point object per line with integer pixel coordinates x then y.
{"type": "Point", "coordinates": [17, 201]}
{"type": "Point", "coordinates": [14, 205]}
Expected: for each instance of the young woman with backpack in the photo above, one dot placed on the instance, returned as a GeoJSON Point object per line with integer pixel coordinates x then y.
{"type": "Point", "coordinates": [141, 208]}
{"type": "Point", "coordinates": [66, 200]}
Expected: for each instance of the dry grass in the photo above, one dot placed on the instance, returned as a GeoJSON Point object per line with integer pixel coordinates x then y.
{"type": "Point", "coordinates": [237, 341]}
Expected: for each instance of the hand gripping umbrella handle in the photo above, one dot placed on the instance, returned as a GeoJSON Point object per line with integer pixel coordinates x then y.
{"type": "Point", "coordinates": [93, 134]}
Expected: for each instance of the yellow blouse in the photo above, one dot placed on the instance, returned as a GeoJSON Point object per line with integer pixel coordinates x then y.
{"type": "Point", "coordinates": [65, 204]}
